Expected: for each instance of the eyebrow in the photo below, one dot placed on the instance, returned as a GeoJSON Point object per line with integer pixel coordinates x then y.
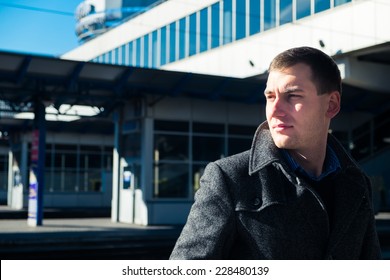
{"type": "Point", "coordinates": [288, 89]}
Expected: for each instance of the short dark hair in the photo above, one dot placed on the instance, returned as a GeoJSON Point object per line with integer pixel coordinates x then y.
{"type": "Point", "coordinates": [325, 73]}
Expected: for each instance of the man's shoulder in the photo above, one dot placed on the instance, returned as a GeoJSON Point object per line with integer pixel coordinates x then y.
{"type": "Point", "coordinates": [234, 165]}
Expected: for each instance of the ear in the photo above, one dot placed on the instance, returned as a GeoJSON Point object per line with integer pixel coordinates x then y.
{"type": "Point", "coordinates": [333, 104]}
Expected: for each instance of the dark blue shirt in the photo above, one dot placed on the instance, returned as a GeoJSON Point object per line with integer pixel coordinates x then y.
{"type": "Point", "coordinates": [331, 164]}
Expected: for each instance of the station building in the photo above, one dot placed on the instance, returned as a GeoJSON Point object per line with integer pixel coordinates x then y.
{"type": "Point", "coordinates": [181, 84]}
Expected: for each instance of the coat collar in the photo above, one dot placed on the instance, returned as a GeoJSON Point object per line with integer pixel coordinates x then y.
{"type": "Point", "coordinates": [263, 151]}
{"type": "Point", "coordinates": [352, 186]}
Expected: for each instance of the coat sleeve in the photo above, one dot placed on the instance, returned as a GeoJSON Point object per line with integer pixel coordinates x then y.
{"type": "Point", "coordinates": [371, 249]}
{"type": "Point", "coordinates": [209, 230]}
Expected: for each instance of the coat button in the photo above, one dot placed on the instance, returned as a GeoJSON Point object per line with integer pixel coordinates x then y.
{"type": "Point", "coordinates": [257, 201]}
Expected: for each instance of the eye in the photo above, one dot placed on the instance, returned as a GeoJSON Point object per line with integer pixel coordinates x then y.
{"type": "Point", "coordinates": [294, 96]}
{"type": "Point", "coordinates": [269, 97]}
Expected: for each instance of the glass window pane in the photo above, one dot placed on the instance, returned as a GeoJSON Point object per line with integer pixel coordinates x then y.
{"type": "Point", "coordinates": [130, 54]}
{"type": "Point", "coordinates": [170, 147]}
{"type": "Point", "coordinates": [182, 38]}
{"type": "Point", "coordinates": [123, 50]}
{"type": "Point", "coordinates": [208, 128]}
{"type": "Point", "coordinates": [240, 19]}
{"type": "Point", "coordinates": [163, 45]}
{"type": "Point", "coordinates": [132, 145]}
{"type": "Point", "coordinates": [227, 21]}
{"type": "Point", "coordinates": [254, 19]}
{"type": "Point", "coordinates": [340, 2]}
{"type": "Point", "coordinates": [193, 35]}
{"type": "Point", "coordinates": [242, 130]}
{"type": "Point", "coordinates": [215, 25]}
{"type": "Point", "coordinates": [90, 161]}
{"type": "Point", "coordinates": [138, 53]}
{"type": "Point", "coordinates": [269, 14]}
{"type": "Point", "coordinates": [203, 30]}
{"type": "Point", "coordinates": [207, 148]}
{"type": "Point", "coordinates": [154, 51]}
{"type": "Point", "coordinates": [285, 11]}
{"type": "Point", "coordinates": [171, 126]}
{"type": "Point", "coordinates": [170, 180]}
{"type": "Point", "coordinates": [146, 51]}
{"type": "Point", "coordinates": [172, 42]}
{"type": "Point", "coordinates": [238, 145]}
{"type": "Point", "coordinates": [197, 172]}
{"type": "Point", "coordinates": [321, 5]}
{"type": "Point", "coordinates": [303, 8]}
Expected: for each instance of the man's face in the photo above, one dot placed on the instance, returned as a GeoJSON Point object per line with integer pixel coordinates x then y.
{"type": "Point", "coordinates": [298, 117]}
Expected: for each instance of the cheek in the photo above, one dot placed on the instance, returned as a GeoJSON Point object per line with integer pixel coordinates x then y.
{"type": "Point", "coordinates": [267, 112]}
{"type": "Point", "coordinates": [298, 107]}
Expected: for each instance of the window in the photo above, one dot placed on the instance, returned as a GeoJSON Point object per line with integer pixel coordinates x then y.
{"type": "Point", "coordinates": [254, 16]}
{"type": "Point", "coordinates": [215, 25]}
{"type": "Point", "coordinates": [138, 52]}
{"type": "Point", "coordinates": [3, 171]}
{"type": "Point", "coordinates": [240, 19]}
{"type": "Point", "coordinates": [321, 5]}
{"type": "Point", "coordinates": [154, 52]}
{"type": "Point", "coordinates": [70, 168]}
{"type": "Point", "coordinates": [182, 38]}
{"type": "Point", "coordinates": [303, 8]}
{"type": "Point", "coordinates": [172, 42]}
{"type": "Point", "coordinates": [146, 51]}
{"type": "Point", "coordinates": [227, 21]}
{"type": "Point", "coordinates": [208, 148]}
{"type": "Point", "coordinates": [203, 33]}
{"type": "Point", "coordinates": [340, 2]}
{"type": "Point", "coordinates": [171, 165]}
{"type": "Point", "coordinates": [193, 35]}
{"type": "Point", "coordinates": [163, 45]}
{"type": "Point", "coordinates": [124, 55]}
{"type": "Point", "coordinates": [129, 54]}
{"type": "Point", "coordinates": [269, 14]}
{"type": "Point", "coordinates": [286, 15]}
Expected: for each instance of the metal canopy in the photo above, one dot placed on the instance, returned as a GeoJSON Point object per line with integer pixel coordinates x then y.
{"type": "Point", "coordinates": [26, 78]}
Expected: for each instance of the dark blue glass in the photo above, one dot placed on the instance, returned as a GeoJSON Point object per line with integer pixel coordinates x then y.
{"type": "Point", "coordinates": [240, 19]}
{"type": "Point", "coordinates": [138, 52]}
{"type": "Point", "coordinates": [163, 45]}
{"type": "Point", "coordinates": [203, 34]}
{"type": "Point", "coordinates": [254, 17]}
{"type": "Point", "coordinates": [193, 35]}
{"type": "Point", "coordinates": [227, 21]}
{"type": "Point", "coordinates": [154, 47]}
{"type": "Point", "coordinates": [172, 42]}
{"type": "Point", "coordinates": [321, 5]}
{"type": "Point", "coordinates": [269, 14]}
{"type": "Point", "coordinates": [130, 53]}
{"type": "Point", "coordinates": [303, 8]}
{"type": "Point", "coordinates": [123, 49]}
{"type": "Point", "coordinates": [182, 38]}
{"type": "Point", "coordinates": [286, 15]}
{"type": "Point", "coordinates": [340, 2]}
{"type": "Point", "coordinates": [215, 24]}
{"type": "Point", "coordinates": [146, 51]}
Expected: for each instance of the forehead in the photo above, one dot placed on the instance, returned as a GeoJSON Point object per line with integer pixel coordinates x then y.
{"type": "Point", "coordinates": [298, 74]}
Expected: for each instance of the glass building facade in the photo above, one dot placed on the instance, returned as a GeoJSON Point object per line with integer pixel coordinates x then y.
{"type": "Point", "coordinates": [222, 23]}
{"type": "Point", "coordinates": [182, 149]}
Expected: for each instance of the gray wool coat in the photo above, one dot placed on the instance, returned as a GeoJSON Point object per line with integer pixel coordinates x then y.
{"type": "Point", "coordinates": [252, 206]}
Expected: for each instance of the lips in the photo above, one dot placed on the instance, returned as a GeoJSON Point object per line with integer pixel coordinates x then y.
{"type": "Point", "coordinates": [281, 127]}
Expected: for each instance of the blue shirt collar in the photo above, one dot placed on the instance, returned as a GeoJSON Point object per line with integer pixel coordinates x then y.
{"type": "Point", "coordinates": [331, 164]}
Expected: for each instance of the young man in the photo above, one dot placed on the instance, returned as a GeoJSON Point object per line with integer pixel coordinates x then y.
{"type": "Point", "coordinates": [296, 194]}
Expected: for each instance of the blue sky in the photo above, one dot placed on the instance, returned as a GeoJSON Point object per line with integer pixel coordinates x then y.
{"type": "Point", "coordinates": [43, 27]}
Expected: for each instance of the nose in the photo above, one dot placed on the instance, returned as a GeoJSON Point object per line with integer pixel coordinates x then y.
{"type": "Point", "coordinates": [277, 107]}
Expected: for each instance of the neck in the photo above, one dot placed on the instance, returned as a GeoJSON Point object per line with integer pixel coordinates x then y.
{"type": "Point", "coordinates": [312, 161]}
